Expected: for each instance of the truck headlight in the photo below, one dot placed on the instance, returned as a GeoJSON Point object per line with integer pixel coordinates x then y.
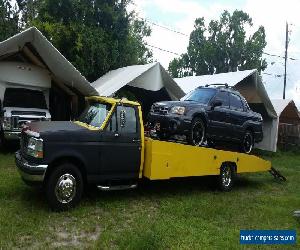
{"type": "Point", "coordinates": [177, 110]}
{"type": "Point", "coordinates": [6, 123]}
{"type": "Point", "coordinates": [35, 147]}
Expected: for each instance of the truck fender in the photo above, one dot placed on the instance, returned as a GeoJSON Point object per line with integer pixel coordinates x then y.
{"type": "Point", "coordinates": [72, 156]}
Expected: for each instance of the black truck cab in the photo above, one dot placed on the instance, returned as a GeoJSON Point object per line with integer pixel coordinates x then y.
{"type": "Point", "coordinates": [104, 147]}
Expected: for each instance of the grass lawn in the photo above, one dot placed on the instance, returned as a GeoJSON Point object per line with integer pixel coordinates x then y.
{"type": "Point", "coordinates": [173, 214]}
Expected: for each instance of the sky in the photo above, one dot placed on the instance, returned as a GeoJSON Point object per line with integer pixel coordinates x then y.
{"type": "Point", "coordinates": [179, 15]}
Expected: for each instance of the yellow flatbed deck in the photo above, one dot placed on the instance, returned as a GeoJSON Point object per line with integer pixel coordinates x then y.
{"type": "Point", "coordinates": [165, 160]}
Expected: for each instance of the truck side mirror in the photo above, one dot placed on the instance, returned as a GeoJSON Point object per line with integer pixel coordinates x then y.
{"type": "Point", "coordinates": [122, 118]}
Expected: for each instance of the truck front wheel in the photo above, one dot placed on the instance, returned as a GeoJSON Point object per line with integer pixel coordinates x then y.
{"type": "Point", "coordinates": [64, 187]}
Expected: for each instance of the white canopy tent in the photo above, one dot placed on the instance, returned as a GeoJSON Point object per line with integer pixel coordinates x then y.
{"type": "Point", "coordinates": [34, 45]}
{"type": "Point", "coordinates": [152, 77]}
{"type": "Point", "coordinates": [150, 83]}
{"type": "Point", "coordinates": [66, 87]}
{"type": "Point", "coordinates": [288, 122]}
{"type": "Point", "coordinates": [231, 78]}
{"type": "Point", "coordinates": [249, 84]}
{"type": "Point", "coordinates": [287, 111]}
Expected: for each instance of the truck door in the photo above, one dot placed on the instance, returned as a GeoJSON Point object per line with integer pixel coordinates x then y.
{"type": "Point", "coordinates": [120, 150]}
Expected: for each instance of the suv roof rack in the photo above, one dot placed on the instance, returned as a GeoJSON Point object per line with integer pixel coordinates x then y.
{"type": "Point", "coordinates": [218, 84]}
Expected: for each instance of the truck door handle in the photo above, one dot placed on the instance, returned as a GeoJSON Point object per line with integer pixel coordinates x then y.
{"type": "Point", "coordinates": [136, 140]}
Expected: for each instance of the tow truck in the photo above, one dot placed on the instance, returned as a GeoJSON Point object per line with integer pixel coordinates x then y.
{"type": "Point", "coordinates": [107, 147]}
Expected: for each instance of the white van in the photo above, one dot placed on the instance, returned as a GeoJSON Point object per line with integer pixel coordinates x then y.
{"type": "Point", "coordinates": [24, 97]}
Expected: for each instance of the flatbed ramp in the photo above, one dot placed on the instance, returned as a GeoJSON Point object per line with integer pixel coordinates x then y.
{"type": "Point", "coordinates": [165, 160]}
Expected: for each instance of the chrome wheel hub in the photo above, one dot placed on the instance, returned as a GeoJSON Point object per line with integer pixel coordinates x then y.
{"type": "Point", "coordinates": [65, 188]}
{"type": "Point", "coordinates": [226, 177]}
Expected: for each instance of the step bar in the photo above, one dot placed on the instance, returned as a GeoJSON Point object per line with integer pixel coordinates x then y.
{"type": "Point", "coordinates": [117, 187]}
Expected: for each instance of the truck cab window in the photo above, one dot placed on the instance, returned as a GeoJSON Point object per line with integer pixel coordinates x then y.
{"type": "Point", "coordinates": [95, 114]}
{"type": "Point", "coordinates": [130, 123]}
{"type": "Point", "coordinates": [130, 117]}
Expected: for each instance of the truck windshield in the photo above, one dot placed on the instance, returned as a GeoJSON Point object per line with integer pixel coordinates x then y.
{"type": "Point", "coordinates": [95, 113]}
{"type": "Point", "coordinates": [24, 98]}
{"type": "Point", "coordinates": [200, 95]}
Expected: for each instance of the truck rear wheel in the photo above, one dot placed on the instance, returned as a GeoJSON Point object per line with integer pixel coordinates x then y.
{"type": "Point", "coordinates": [226, 177]}
{"type": "Point", "coordinates": [64, 187]}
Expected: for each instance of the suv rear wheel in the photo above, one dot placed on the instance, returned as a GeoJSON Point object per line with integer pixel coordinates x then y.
{"type": "Point", "coordinates": [64, 187]}
{"type": "Point", "coordinates": [197, 132]}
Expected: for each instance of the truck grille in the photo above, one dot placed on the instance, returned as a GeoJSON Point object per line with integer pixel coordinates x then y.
{"type": "Point", "coordinates": [17, 122]}
{"type": "Point", "coordinates": [36, 113]}
{"type": "Point", "coordinates": [160, 109]}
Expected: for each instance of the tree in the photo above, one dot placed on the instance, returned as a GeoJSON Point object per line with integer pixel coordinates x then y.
{"type": "Point", "coordinates": [221, 47]}
{"type": "Point", "coordinates": [96, 36]}
{"type": "Point", "coordinates": [8, 19]}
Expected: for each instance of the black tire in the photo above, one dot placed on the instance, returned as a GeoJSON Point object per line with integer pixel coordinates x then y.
{"type": "Point", "coordinates": [247, 142]}
{"type": "Point", "coordinates": [64, 187]}
{"type": "Point", "coordinates": [197, 139]}
{"type": "Point", "coordinates": [226, 177]}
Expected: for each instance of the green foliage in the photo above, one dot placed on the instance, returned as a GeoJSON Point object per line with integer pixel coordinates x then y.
{"type": "Point", "coordinates": [95, 36]}
{"type": "Point", "coordinates": [222, 46]}
{"type": "Point", "coordinates": [8, 19]}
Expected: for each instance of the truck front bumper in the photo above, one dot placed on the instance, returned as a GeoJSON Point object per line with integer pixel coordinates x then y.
{"type": "Point", "coordinates": [30, 172]}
